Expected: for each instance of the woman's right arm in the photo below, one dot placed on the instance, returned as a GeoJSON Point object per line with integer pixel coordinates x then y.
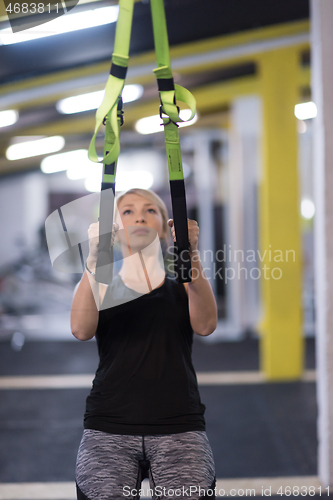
{"type": "Point", "coordinates": [84, 311]}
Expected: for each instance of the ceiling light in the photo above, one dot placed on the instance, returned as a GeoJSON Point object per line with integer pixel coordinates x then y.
{"type": "Point", "coordinates": [94, 179]}
{"type": "Point", "coordinates": [79, 103]}
{"type": "Point", "coordinates": [38, 147]}
{"type": "Point", "coordinates": [63, 24]}
{"type": "Point", "coordinates": [132, 92]}
{"type": "Point", "coordinates": [134, 179]}
{"type": "Point", "coordinates": [149, 125]}
{"type": "Point", "coordinates": [152, 124]}
{"type": "Point", "coordinates": [71, 160]}
{"type": "Point", "coordinates": [8, 117]}
{"type": "Point", "coordinates": [307, 209]}
{"type": "Point", "coordinates": [92, 100]}
{"type": "Point", "coordinates": [78, 171]}
{"type": "Point", "coordinates": [305, 110]}
{"type": "Point", "coordinates": [80, 166]}
{"type": "Point", "coordinates": [124, 180]}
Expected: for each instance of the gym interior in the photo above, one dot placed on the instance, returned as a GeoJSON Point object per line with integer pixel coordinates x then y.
{"type": "Point", "coordinates": [255, 158]}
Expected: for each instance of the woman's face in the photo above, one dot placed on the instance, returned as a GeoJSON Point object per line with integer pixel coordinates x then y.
{"type": "Point", "coordinates": [141, 219]}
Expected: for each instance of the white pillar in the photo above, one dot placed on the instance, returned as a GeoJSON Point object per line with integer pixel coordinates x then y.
{"type": "Point", "coordinates": [23, 207]}
{"type": "Point", "coordinates": [242, 234]}
{"type": "Point", "coordinates": [205, 182]}
{"type": "Point", "coordinates": [322, 89]}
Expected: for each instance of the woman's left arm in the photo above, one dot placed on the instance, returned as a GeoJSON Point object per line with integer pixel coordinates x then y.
{"type": "Point", "coordinates": [202, 303]}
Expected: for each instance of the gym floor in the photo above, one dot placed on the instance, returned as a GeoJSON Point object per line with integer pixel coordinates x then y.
{"type": "Point", "coordinates": [257, 430]}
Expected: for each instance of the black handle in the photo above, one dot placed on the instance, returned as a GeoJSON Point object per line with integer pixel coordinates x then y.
{"type": "Point", "coordinates": [182, 260]}
{"type": "Point", "coordinates": [182, 265]}
{"type": "Point", "coordinates": [104, 266]}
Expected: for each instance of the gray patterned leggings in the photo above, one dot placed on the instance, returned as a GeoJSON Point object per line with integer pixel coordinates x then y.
{"type": "Point", "coordinates": [112, 466]}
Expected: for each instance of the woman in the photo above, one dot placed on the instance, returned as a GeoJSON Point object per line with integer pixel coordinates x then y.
{"type": "Point", "coordinates": [144, 417]}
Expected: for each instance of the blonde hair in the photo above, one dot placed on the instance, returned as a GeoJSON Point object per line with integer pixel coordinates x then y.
{"type": "Point", "coordinates": [154, 198]}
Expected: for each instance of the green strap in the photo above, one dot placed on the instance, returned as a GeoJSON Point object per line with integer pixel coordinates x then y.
{"type": "Point", "coordinates": [163, 70]}
{"type": "Point", "coordinates": [113, 90]}
{"type": "Point", "coordinates": [171, 137]}
{"type": "Point", "coordinates": [109, 174]}
{"type": "Point", "coordinates": [169, 95]}
{"type": "Point", "coordinates": [114, 85]}
{"type": "Point", "coordinates": [104, 265]}
{"type": "Point", "coordinates": [160, 34]}
{"type": "Point", "coordinates": [123, 28]}
{"type": "Point", "coordinates": [179, 94]}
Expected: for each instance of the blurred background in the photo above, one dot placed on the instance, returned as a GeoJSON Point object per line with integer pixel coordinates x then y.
{"type": "Point", "coordinates": [248, 160]}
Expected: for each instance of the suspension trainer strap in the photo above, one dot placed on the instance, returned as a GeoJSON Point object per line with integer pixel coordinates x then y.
{"type": "Point", "coordinates": [115, 83]}
{"type": "Point", "coordinates": [182, 260]}
{"type": "Point", "coordinates": [169, 112]}
{"type": "Point", "coordinates": [110, 113]}
{"type": "Point", "coordinates": [104, 266]}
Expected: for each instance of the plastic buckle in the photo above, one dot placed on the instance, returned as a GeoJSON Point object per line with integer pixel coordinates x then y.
{"type": "Point", "coordinates": [120, 116]}
{"type": "Point", "coordinates": [161, 116]}
{"type": "Point", "coordinates": [166, 116]}
{"type": "Point", "coordinates": [120, 111]}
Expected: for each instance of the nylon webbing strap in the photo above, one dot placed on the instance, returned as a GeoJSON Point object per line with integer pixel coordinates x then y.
{"type": "Point", "coordinates": [118, 71]}
{"type": "Point", "coordinates": [110, 113]}
{"type": "Point", "coordinates": [104, 266]}
{"type": "Point", "coordinates": [170, 94]}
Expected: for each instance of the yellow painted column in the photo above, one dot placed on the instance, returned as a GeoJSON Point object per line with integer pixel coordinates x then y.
{"type": "Point", "coordinates": [281, 342]}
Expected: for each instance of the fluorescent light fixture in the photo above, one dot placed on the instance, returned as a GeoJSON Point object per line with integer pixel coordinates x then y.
{"type": "Point", "coordinates": [94, 179]}
{"type": "Point", "coordinates": [63, 24]}
{"type": "Point", "coordinates": [134, 179]}
{"type": "Point", "coordinates": [79, 103]}
{"type": "Point", "coordinates": [92, 100]}
{"type": "Point", "coordinates": [8, 117]}
{"type": "Point", "coordinates": [307, 209]}
{"type": "Point", "coordinates": [152, 124]}
{"type": "Point", "coordinates": [38, 147]}
{"type": "Point", "coordinates": [75, 162]}
{"type": "Point", "coordinates": [149, 125]}
{"type": "Point", "coordinates": [80, 168]}
{"type": "Point", "coordinates": [124, 180]}
{"type": "Point", "coordinates": [132, 92]}
{"type": "Point", "coordinates": [305, 110]}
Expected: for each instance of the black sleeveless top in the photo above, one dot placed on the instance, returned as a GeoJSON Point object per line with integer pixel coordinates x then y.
{"type": "Point", "coordinates": [145, 382]}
